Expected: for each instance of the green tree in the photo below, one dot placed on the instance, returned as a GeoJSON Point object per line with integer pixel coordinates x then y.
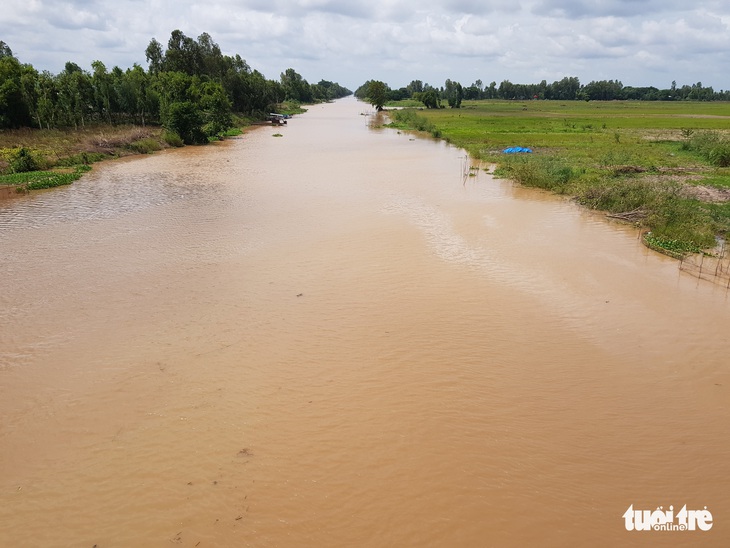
{"type": "Point", "coordinates": [296, 87]}
{"type": "Point", "coordinates": [454, 93]}
{"type": "Point", "coordinates": [430, 98]}
{"type": "Point", "coordinates": [14, 111]}
{"type": "Point", "coordinates": [29, 89]}
{"type": "Point", "coordinates": [216, 109]}
{"type": "Point", "coordinates": [491, 92]}
{"type": "Point", "coordinates": [103, 89]}
{"type": "Point", "coordinates": [566, 89]}
{"type": "Point", "coordinates": [155, 56]}
{"type": "Point", "coordinates": [5, 50]}
{"type": "Point", "coordinates": [212, 62]}
{"type": "Point", "coordinates": [416, 86]}
{"type": "Point", "coordinates": [185, 119]}
{"type": "Point", "coordinates": [74, 96]}
{"type": "Point", "coordinates": [377, 94]}
{"type": "Point", "coordinates": [182, 55]}
{"type": "Point", "coordinates": [46, 91]}
{"type": "Point", "coordinates": [141, 102]}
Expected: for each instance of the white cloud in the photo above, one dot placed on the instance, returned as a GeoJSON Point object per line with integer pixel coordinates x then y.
{"type": "Point", "coordinates": [640, 42]}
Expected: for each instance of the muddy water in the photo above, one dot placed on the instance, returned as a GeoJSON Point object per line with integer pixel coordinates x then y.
{"type": "Point", "coordinates": [330, 339]}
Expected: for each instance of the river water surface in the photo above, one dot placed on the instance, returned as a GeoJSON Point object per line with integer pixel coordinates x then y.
{"type": "Point", "coordinates": [329, 338]}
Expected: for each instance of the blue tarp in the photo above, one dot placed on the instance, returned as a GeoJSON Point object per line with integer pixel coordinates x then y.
{"type": "Point", "coordinates": [516, 150]}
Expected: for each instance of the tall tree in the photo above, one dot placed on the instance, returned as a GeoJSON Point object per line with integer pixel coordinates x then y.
{"type": "Point", "coordinates": [453, 93]}
{"type": "Point", "coordinates": [155, 56]}
{"type": "Point", "coordinates": [14, 111]}
{"type": "Point", "coordinates": [430, 98]}
{"type": "Point", "coordinates": [103, 90]}
{"type": "Point", "coordinates": [296, 87]}
{"type": "Point", "coordinates": [5, 50]}
{"type": "Point", "coordinates": [377, 94]}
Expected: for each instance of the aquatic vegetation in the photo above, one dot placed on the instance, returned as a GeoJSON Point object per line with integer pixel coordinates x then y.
{"type": "Point", "coordinates": [36, 180]}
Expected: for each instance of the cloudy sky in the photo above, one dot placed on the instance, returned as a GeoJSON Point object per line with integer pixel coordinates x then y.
{"type": "Point", "coordinates": [640, 42]}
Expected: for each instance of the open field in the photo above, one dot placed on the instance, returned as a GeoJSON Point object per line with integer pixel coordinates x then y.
{"type": "Point", "coordinates": [664, 166]}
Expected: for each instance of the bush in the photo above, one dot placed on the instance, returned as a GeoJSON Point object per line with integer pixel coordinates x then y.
{"type": "Point", "coordinates": [711, 146]}
{"type": "Point", "coordinates": [678, 224]}
{"type": "Point", "coordinates": [185, 119]}
{"type": "Point", "coordinates": [172, 139]}
{"type": "Point", "coordinates": [22, 161]}
{"type": "Point", "coordinates": [719, 155]}
{"type": "Point", "coordinates": [702, 142]}
{"type": "Point", "coordinates": [546, 173]}
{"type": "Point", "coordinates": [685, 220]}
{"type": "Point", "coordinates": [145, 146]}
{"type": "Point", "coordinates": [621, 195]}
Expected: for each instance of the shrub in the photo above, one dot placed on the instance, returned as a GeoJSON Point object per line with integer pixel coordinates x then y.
{"type": "Point", "coordinates": [546, 173]}
{"type": "Point", "coordinates": [711, 146]}
{"type": "Point", "coordinates": [185, 119]}
{"type": "Point", "coordinates": [703, 142]}
{"type": "Point", "coordinates": [409, 119]}
{"type": "Point", "coordinates": [719, 155]}
{"type": "Point", "coordinates": [22, 161]}
{"type": "Point", "coordinates": [619, 196]}
{"type": "Point", "coordinates": [145, 146]}
{"type": "Point", "coordinates": [172, 139]}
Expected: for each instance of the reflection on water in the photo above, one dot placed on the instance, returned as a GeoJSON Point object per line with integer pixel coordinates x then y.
{"type": "Point", "coordinates": [331, 339]}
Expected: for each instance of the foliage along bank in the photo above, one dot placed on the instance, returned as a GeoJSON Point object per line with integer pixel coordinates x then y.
{"type": "Point", "coordinates": [566, 89]}
{"type": "Point", "coordinates": [190, 88]}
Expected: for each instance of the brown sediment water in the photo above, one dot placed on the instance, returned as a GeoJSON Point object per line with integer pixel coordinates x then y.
{"type": "Point", "coordinates": [331, 338]}
{"type": "Point", "coordinates": [8, 192]}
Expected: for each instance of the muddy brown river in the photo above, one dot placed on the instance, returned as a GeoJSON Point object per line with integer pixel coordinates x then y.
{"type": "Point", "coordinates": [330, 338]}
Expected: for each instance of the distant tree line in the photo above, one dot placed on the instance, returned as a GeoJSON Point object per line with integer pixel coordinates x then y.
{"type": "Point", "coordinates": [190, 88]}
{"type": "Point", "coordinates": [567, 89]}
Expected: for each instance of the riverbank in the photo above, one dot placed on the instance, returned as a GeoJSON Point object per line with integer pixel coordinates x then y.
{"type": "Point", "coordinates": [664, 167]}
{"type": "Point", "coordinates": [54, 157]}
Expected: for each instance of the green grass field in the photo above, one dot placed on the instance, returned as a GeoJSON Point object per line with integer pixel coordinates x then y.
{"type": "Point", "coordinates": [646, 162]}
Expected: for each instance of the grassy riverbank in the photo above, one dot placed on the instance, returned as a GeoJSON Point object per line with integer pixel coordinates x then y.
{"type": "Point", "coordinates": [32, 159]}
{"type": "Point", "coordinates": [663, 166]}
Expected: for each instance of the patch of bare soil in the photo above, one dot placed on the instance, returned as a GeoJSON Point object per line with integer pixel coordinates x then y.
{"type": "Point", "coordinates": [707, 193]}
{"type": "Point", "coordinates": [683, 177]}
{"type": "Point", "coordinates": [708, 116]}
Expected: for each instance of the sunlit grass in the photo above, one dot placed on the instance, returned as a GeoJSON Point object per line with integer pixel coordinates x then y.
{"type": "Point", "coordinates": [618, 156]}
